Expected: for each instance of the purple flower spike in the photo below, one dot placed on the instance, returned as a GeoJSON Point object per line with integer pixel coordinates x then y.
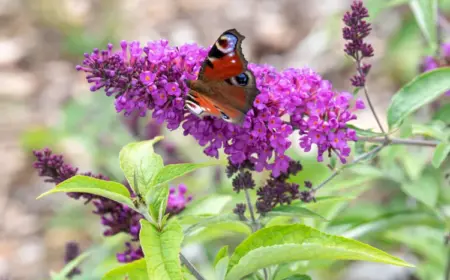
{"type": "Point", "coordinates": [115, 217]}
{"type": "Point", "coordinates": [356, 30]}
{"type": "Point", "coordinates": [286, 103]}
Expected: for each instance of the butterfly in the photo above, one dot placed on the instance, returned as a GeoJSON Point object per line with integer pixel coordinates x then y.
{"type": "Point", "coordinates": [225, 87]}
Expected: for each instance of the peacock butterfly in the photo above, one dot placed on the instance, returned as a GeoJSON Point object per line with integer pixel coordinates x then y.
{"type": "Point", "coordinates": [225, 87]}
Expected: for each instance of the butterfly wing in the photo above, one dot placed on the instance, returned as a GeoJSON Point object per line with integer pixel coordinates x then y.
{"type": "Point", "coordinates": [226, 86]}
{"type": "Point", "coordinates": [235, 96]}
{"type": "Point", "coordinates": [225, 59]}
{"type": "Point", "coordinates": [202, 105]}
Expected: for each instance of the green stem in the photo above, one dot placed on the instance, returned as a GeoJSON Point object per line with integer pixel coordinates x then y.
{"type": "Point", "coordinates": [254, 223]}
{"type": "Point", "coordinates": [399, 141]}
{"type": "Point", "coordinates": [191, 267]}
{"type": "Point", "coordinates": [356, 160]}
{"type": "Point", "coordinates": [250, 209]}
{"type": "Point", "coordinates": [366, 93]}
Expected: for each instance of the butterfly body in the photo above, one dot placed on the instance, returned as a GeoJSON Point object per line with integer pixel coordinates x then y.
{"type": "Point", "coordinates": [225, 87]}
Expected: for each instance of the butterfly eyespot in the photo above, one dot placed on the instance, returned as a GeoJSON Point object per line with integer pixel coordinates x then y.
{"type": "Point", "coordinates": [240, 80]}
{"type": "Point", "coordinates": [226, 43]}
{"type": "Point", "coordinates": [225, 117]}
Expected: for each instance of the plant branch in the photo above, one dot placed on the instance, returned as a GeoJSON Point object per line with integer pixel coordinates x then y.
{"type": "Point", "coordinates": [254, 222]}
{"type": "Point", "coordinates": [191, 267]}
{"type": "Point", "coordinates": [366, 93]}
{"type": "Point", "coordinates": [250, 209]}
{"type": "Point", "coordinates": [399, 141]}
{"type": "Point", "coordinates": [356, 160]}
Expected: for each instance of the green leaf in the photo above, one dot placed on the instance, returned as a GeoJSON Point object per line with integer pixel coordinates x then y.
{"type": "Point", "coordinates": [157, 201]}
{"type": "Point", "coordinates": [221, 268]}
{"type": "Point", "coordinates": [192, 219]}
{"type": "Point", "coordinates": [70, 266]}
{"type": "Point", "coordinates": [392, 221]}
{"type": "Point", "coordinates": [435, 130]}
{"type": "Point", "coordinates": [226, 222]}
{"type": "Point", "coordinates": [425, 189]}
{"type": "Point", "coordinates": [420, 91]}
{"type": "Point", "coordinates": [312, 171]}
{"type": "Point", "coordinates": [425, 12]}
{"type": "Point", "coordinates": [443, 113]}
{"type": "Point", "coordinates": [85, 184]}
{"type": "Point", "coordinates": [299, 277]}
{"type": "Point", "coordinates": [217, 232]}
{"type": "Point", "coordinates": [375, 7]}
{"type": "Point", "coordinates": [359, 148]}
{"type": "Point", "coordinates": [162, 250]}
{"type": "Point", "coordinates": [414, 163]}
{"type": "Point", "coordinates": [424, 241]}
{"type": "Point", "coordinates": [276, 221]}
{"type": "Point", "coordinates": [223, 252]}
{"type": "Point", "coordinates": [320, 207]}
{"type": "Point", "coordinates": [136, 270]}
{"type": "Point", "coordinates": [172, 171]}
{"type": "Point", "coordinates": [299, 242]}
{"type": "Point", "coordinates": [211, 204]}
{"type": "Point", "coordinates": [365, 132]}
{"type": "Point", "coordinates": [440, 154]}
{"type": "Point", "coordinates": [294, 210]}
{"type": "Point", "coordinates": [284, 271]}
{"type": "Point", "coordinates": [139, 163]}
{"type": "Point", "coordinates": [188, 276]}
{"type": "Point", "coordinates": [324, 201]}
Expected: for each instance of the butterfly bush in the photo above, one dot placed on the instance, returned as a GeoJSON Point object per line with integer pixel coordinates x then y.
{"type": "Point", "coordinates": [355, 32]}
{"type": "Point", "coordinates": [152, 77]}
{"type": "Point", "coordinates": [115, 217]}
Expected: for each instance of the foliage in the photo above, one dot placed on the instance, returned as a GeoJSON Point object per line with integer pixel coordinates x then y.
{"type": "Point", "coordinates": [305, 217]}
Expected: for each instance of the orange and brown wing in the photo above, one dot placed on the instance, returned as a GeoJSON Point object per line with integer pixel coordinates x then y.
{"type": "Point", "coordinates": [225, 59]}
{"type": "Point", "coordinates": [228, 87]}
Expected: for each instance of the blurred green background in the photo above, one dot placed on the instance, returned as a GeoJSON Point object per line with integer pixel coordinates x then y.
{"type": "Point", "coordinates": [46, 103]}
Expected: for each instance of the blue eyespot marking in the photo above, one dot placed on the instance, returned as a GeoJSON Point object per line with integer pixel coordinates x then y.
{"type": "Point", "coordinates": [227, 43]}
{"type": "Point", "coordinates": [225, 116]}
{"type": "Point", "coordinates": [242, 79]}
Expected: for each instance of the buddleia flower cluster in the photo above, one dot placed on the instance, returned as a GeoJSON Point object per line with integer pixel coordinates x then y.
{"type": "Point", "coordinates": [151, 78]}
{"type": "Point", "coordinates": [355, 32]}
{"type": "Point", "coordinates": [115, 217]}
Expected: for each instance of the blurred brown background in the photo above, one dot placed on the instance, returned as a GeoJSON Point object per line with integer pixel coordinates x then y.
{"type": "Point", "coordinates": [41, 41]}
